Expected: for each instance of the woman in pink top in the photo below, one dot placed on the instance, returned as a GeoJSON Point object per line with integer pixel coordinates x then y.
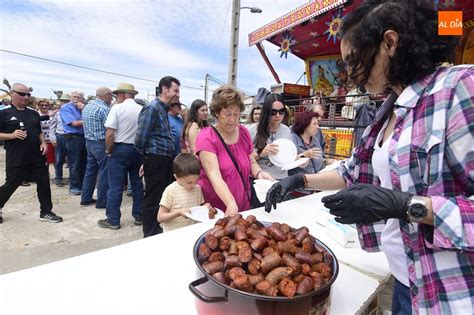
{"type": "Point", "coordinates": [220, 181]}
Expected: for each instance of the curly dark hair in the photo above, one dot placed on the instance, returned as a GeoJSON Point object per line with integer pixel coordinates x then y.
{"type": "Point", "coordinates": [264, 123]}
{"type": "Point", "coordinates": [420, 49]}
{"type": "Point", "coordinates": [302, 122]}
{"type": "Point", "coordinates": [193, 116]}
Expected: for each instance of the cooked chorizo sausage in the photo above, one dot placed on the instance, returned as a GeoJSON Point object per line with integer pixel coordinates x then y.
{"type": "Point", "coordinates": [221, 277]}
{"type": "Point", "coordinates": [305, 269]}
{"type": "Point", "coordinates": [233, 220]}
{"type": "Point", "coordinates": [230, 230]}
{"type": "Point", "coordinates": [258, 256]}
{"type": "Point", "coordinates": [287, 287]}
{"type": "Point", "coordinates": [232, 261]}
{"type": "Point", "coordinates": [254, 279]}
{"type": "Point", "coordinates": [285, 228]}
{"type": "Point", "coordinates": [254, 267]}
{"type": "Point", "coordinates": [240, 234]}
{"type": "Point", "coordinates": [267, 288]}
{"type": "Point", "coordinates": [222, 221]}
{"type": "Point", "coordinates": [242, 244]}
{"type": "Point", "coordinates": [286, 247]}
{"type": "Point", "coordinates": [276, 233]}
{"type": "Point", "coordinates": [308, 245]}
{"type": "Point", "coordinates": [243, 283]}
{"type": "Point", "coordinates": [224, 243]}
{"type": "Point", "coordinates": [234, 272]}
{"type": "Point", "coordinates": [278, 273]}
{"type": "Point", "coordinates": [251, 219]}
{"type": "Point", "coordinates": [305, 258]}
{"type": "Point", "coordinates": [292, 262]}
{"type": "Point", "coordinates": [267, 251]}
{"type": "Point", "coordinates": [245, 254]}
{"type": "Point", "coordinates": [305, 285]}
{"type": "Point", "coordinates": [213, 267]}
{"type": "Point", "coordinates": [211, 241]}
{"type": "Point", "coordinates": [216, 256]}
{"type": "Point", "coordinates": [212, 213]}
{"type": "Point", "coordinates": [270, 262]}
{"type": "Point", "coordinates": [233, 248]}
{"type": "Point", "coordinates": [302, 233]}
{"type": "Point", "coordinates": [318, 279]}
{"type": "Point", "coordinates": [259, 244]}
{"type": "Point", "coordinates": [203, 252]}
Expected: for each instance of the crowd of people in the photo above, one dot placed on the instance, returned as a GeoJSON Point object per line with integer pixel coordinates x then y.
{"type": "Point", "coordinates": [112, 140]}
{"type": "Point", "coordinates": [408, 184]}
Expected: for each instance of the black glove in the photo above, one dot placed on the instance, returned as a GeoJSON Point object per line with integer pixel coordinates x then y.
{"type": "Point", "coordinates": [279, 190]}
{"type": "Point", "coordinates": [364, 203]}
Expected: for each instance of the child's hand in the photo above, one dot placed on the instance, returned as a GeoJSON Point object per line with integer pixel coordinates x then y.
{"type": "Point", "coordinates": [184, 212]}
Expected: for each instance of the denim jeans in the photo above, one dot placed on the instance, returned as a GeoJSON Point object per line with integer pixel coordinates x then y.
{"type": "Point", "coordinates": [77, 157]}
{"type": "Point", "coordinates": [96, 167]}
{"type": "Point", "coordinates": [124, 159]}
{"type": "Point", "coordinates": [401, 300]}
{"type": "Point", "coordinates": [60, 154]}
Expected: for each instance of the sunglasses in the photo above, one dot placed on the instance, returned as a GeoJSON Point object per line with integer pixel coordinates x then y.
{"type": "Point", "coordinates": [280, 111]}
{"type": "Point", "coordinates": [22, 93]}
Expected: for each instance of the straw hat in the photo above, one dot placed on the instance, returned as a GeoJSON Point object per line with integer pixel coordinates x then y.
{"type": "Point", "coordinates": [65, 97]}
{"type": "Point", "coordinates": [125, 88]}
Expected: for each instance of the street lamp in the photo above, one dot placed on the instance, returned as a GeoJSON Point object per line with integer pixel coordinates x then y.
{"type": "Point", "coordinates": [234, 40]}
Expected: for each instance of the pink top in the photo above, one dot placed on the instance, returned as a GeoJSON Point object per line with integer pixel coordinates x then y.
{"type": "Point", "coordinates": [208, 140]}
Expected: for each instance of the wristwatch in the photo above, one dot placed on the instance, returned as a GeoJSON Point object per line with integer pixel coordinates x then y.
{"type": "Point", "coordinates": [417, 210]}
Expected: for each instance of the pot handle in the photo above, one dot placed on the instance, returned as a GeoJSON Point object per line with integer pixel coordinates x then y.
{"type": "Point", "coordinates": [201, 296]}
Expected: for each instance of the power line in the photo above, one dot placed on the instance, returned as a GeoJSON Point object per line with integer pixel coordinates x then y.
{"type": "Point", "coordinates": [220, 38]}
{"type": "Point", "coordinates": [91, 69]}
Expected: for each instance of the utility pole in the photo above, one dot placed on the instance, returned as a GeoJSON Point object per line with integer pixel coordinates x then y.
{"type": "Point", "coordinates": [234, 43]}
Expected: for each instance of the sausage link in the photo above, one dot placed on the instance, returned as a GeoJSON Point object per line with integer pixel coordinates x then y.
{"type": "Point", "coordinates": [224, 243]}
{"type": "Point", "coordinates": [265, 287]}
{"type": "Point", "coordinates": [216, 256]}
{"type": "Point", "coordinates": [203, 253]}
{"type": "Point", "coordinates": [213, 267]}
{"type": "Point", "coordinates": [243, 283]}
{"type": "Point", "coordinates": [232, 261]}
{"type": "Point", "coordinates": [259, 244]}
{"type": "Point", "coordinates": [245, 254]}
{"type": "Point", "coordinates": [234, 272]}
{"type": "Point", "coordinates": [278, 273]}
{"type": "Point", "coordinates": [254, 267]}
{"type": "Point", "coordinates": [254, 279]}
{"type": "Point", "coordinates": [211, 241]}
{"type": "Point", "coordinates": [287, 287]}
{"type": "Point", "coordinates": [270, 262]}
{"type": "Point", "coordinates": [305, 285]}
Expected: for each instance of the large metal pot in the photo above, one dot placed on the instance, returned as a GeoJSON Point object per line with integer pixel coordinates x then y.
{"type": "Point", "coordinates": [214, 297]}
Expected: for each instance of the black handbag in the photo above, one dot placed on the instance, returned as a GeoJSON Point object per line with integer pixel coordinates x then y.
{"type": "Point", "coordinates": [251, 193]}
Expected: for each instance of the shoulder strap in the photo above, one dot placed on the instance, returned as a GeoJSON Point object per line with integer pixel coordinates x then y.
{"type": "Point", "coordinates": [233, 161]}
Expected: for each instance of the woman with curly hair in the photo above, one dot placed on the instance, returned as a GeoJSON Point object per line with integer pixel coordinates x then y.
{"type": "Point", "coordinates": [196, 120]}
{"type": "Point", "coordinates": [226, 155]}
{"type": "Point", "coordinates": [269, 129]}
{"type": "Point", "coordinates": [254, 115]}
{"type": "Point", "coordinates": [407, 185]}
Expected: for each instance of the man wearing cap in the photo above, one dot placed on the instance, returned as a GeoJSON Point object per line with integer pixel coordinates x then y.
{"type": "Point", "coordinates": [71, 119]}
{"type": "Point", "coordinates": [176, 125]}
{"type": "Point", "coordinates": [26, 149]}
{"type": "Point", "coordinates": [155, 141]}
{"type": "Point", "coordinates": [60, 150]}
{"type": "Point", "coordinates": [122, 156]}
{"type": "Point", "coordinates": [94, 115]}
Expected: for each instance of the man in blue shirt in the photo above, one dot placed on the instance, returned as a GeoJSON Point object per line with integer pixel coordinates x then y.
{"type": "Point", "coordinates": [71, 118]}
{"type": "Point", "coordinates": [94, 115]}
{"type": "Point", "coordinates": [155, 141]}
{"type": "Point", "coordinates": [176, 125]}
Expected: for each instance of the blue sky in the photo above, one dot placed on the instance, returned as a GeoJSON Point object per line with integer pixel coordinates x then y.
{"type": "Point", "coordinates": [142, 38]}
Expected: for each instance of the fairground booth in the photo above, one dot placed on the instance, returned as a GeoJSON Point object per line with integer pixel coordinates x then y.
{"type": "Point", "coordinates": [309, 32]}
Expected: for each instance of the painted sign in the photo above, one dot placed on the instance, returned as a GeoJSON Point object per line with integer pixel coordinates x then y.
{"type": "Point", "coordinates": [292, 18]}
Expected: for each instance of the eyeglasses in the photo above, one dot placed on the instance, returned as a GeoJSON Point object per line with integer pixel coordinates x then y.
{"type": "Point", "coordinates": [22, 93]}
{"type": "Point", "coordinates": [280, 111]}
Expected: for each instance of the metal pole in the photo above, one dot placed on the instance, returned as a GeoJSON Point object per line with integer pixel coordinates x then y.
{"type": "Point", "coordinates": [206, 80]}
{"type": "Point", "coordinates": [234, 43]}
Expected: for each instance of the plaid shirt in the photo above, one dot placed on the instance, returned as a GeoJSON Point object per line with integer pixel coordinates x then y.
{"type": "Point", "coordinates": [94, 115]}
{"type": "Point", "coordinates": [154, 132]}
{"type": "Point", "coordinates": [431, 154]}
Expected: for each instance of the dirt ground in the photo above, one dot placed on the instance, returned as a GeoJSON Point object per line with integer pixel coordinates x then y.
{"type": "Point", "coordinates": [26, 242]}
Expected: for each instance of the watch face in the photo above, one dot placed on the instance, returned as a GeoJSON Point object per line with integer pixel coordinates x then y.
{"type": "Point", "coordinates": [418, 210]}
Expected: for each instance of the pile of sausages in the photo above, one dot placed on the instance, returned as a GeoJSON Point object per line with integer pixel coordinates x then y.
{"type": "Point", "coordinates": [276, 260]}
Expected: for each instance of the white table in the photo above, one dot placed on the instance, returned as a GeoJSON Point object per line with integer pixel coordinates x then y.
{"type": "Point", "coordinates": [118, 279]}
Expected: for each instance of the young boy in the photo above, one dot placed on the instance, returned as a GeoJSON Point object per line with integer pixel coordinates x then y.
{"type": "Point", "coordinates": [182, 194]}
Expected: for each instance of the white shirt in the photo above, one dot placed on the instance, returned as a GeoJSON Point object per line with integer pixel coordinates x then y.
{"type": "Point", "coordinates": [123, 117]}
{"type": "Point", "coordinates": [392, 243]}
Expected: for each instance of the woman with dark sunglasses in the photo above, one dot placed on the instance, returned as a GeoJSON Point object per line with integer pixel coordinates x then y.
{"type": "Point", "coordinates": [269, 129]}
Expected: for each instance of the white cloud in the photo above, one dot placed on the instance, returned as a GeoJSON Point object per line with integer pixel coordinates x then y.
{"type": "Point", "coordinates": [145, 38]}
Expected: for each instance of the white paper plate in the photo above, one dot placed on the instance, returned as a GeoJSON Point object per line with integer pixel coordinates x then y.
{"type": "Point", "coordinates": [286, 152]}
{"type": "Point", "coordinates": [201, 214]}
{"type": "Point", "coordinates": [294, 164]}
